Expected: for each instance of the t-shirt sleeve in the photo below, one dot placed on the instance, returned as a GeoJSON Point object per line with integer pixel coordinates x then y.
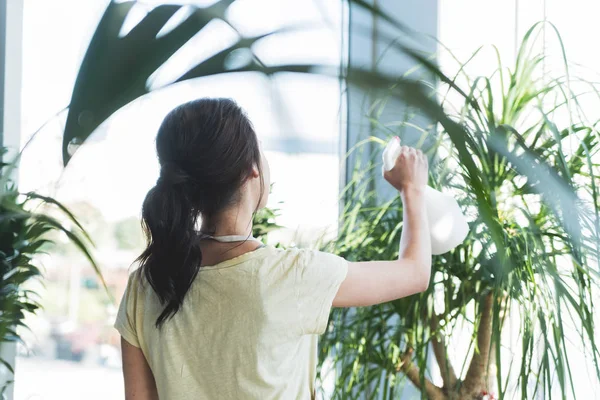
{"type": "Point", "coordinates": [319, 276]}
{"type": "Point", "coordinates": [126, 321]}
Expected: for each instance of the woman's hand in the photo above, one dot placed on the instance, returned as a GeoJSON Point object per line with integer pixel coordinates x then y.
{"type": "Point", "coordinates": [410, 170]}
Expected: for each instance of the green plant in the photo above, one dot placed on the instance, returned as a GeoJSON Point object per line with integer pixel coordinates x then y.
{"type": "Point", "coordinates": [117, 70]}
{"type": "Point", "coordinates": [26, 220]}
{"type": "Point", "coordinates": [264, 222]}
{"type": "Point", "coordinates": [521, 155]}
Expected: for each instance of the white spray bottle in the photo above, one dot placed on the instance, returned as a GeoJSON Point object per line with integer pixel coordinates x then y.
{"type": "Point", "coordinates": [447, 224]}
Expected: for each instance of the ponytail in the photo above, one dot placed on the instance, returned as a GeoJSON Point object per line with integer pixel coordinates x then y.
{"type": "Point", "coordinates": [172, 256]}
{"type": "Point", "coordinates": [207, 149]}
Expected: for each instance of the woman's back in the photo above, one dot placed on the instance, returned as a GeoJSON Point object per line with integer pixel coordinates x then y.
{"type": "Point", "coordinates": [246, 330]}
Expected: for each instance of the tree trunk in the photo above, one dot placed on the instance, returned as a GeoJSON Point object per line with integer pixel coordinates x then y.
{"type": "Point", "coordinates": [412, 373]}
{"type": "Point", "coordinates": [475, 381]}
{"type": "Point", "coordinates": [481, 375]}
{"type": "Point", "coordinates": [441, 354]}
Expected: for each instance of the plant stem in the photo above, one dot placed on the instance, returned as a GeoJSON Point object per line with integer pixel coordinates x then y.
{"type": "Point", "coordinates": [441, 354]}
{"type": "Point", "coordinates": [412, 372]}
{"type": "Point", "coordinates": [475, 379]}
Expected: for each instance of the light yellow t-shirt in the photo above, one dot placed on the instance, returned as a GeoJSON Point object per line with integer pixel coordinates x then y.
{"type": "Point", "coordinates": [247, 329]}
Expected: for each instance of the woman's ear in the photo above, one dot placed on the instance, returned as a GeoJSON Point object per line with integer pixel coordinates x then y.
{"type": "Point", "coordinates": [255, 173]}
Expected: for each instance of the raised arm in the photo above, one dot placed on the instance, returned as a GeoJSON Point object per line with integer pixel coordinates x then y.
{"type": "Point", "coordinates": [375, 282]}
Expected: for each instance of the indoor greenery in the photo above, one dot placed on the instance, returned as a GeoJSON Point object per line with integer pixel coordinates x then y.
{"type": "Point", "coordinates": [524, 170]}
{"type": "Point", "coordinates": [264, 221]}
{"type": "Point", "coordinates": [26, 221]}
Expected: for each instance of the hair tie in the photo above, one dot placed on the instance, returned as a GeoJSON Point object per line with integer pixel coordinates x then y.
{"type": "Point", "coordinates": [172, 174]}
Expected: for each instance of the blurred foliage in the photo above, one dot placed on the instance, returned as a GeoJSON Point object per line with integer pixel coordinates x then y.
{"type": "Point", "coordinates": [264, 222]}
{"type": "Point", "coordinates": [117, 69]}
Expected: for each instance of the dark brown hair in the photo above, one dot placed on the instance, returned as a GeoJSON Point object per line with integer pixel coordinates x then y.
{"type": "Point", "coordinates": [206, 149]}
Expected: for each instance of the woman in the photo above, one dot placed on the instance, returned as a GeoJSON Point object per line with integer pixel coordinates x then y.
{"type": "Point", "coordinates": [212, 313]}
